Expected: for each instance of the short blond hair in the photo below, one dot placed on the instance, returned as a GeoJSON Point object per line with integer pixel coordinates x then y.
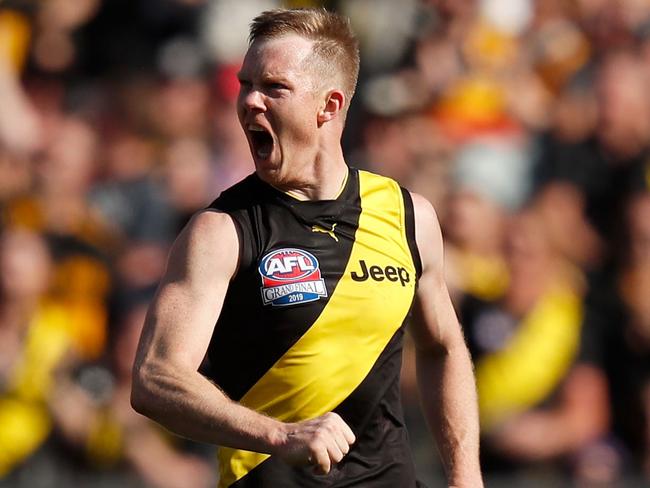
{"type": "Point", "coordinates": [334, 41]}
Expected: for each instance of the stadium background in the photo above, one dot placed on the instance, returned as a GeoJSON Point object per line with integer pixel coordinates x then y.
{"type": "Point", "coordinates": [526, 123]}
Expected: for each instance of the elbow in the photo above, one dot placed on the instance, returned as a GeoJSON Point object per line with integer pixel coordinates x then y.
{"type": "Point", "coordinates": [452, 347]}
{"type": "Point", "coordinates": [139, 400]}
{"type": "Point", "coordinates": [143, 397]}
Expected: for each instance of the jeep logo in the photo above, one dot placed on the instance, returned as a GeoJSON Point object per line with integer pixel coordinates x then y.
{"type": "Point", "coordinates": [377, 273]}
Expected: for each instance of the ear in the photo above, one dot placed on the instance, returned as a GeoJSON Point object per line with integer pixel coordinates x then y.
{"type": "Point", "coordinates": [332, 108]}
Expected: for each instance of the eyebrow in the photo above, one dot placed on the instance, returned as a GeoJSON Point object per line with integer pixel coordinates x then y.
{"type": "Point", "coordinates": [273, 77]}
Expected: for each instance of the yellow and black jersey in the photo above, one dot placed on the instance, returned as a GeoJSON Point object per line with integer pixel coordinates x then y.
{"type": "Point", "coordinates": [313, 322]}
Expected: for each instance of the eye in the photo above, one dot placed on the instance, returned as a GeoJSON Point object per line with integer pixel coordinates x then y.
{"type": "Point", "coordinates": [244, 83]}
{"type": "Point", "coordinates": [276, 86]}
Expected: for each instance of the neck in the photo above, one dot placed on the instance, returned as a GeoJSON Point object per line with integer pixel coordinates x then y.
{"type": "Point", "coordinates": [321, 180]}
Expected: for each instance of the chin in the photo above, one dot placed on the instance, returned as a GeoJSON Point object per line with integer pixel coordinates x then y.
{"type": "Point", "coordinates": [268, 169]}
{"type": "Point", "coordinates": [271, 163]}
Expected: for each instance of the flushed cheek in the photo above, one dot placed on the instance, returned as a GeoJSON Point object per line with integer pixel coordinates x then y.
{"type": "Point", "coordinates": [300, 128]}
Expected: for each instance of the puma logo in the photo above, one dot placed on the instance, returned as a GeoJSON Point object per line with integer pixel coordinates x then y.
{"type": "Point", "coordinates": [329, 232]}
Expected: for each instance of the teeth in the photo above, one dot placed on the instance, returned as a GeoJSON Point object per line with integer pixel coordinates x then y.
{"type": "Point", "coordinates": [256, 128]}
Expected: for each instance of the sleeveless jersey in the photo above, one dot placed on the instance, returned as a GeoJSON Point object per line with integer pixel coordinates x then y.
{"type": "Point", "coordinates": [313, 322]}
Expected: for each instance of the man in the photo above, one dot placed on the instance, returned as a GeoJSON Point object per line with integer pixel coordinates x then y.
{"type": "Point", "coordinates": [308, 268]}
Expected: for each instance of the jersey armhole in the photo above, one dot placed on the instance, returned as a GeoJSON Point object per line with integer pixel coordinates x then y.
{"type": "Point", "coordinates": [409, 222]}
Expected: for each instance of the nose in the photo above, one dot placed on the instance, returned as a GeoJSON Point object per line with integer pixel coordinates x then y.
{"type": "Point", "coordinates": [252, 100]}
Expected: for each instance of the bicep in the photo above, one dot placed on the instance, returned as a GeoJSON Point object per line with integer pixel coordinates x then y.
{"type": "Point", "coordinates": [182, 316]}
{"type": "Point", "coordinates": [434, 321]}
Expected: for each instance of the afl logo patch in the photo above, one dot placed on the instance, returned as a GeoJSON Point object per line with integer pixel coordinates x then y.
{"type": "Point", "coordinates": [290, 276]}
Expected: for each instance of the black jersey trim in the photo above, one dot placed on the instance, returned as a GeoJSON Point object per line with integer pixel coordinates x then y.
{"type": "Point", "coordinates": [409, 222]}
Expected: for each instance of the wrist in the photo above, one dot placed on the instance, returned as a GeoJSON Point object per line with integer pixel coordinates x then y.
{"type": "Point", "coordinates": [277, 436]}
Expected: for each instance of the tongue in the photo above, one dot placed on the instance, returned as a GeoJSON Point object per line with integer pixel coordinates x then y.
{"type": "Point", "coordinates": [264, 146]}
{"type": "Point", "coordinates": [264, 150]}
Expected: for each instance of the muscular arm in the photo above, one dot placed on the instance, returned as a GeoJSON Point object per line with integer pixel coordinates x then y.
{"type": "Point", "coordinates": [167, 386]}
{"type": "Point", "coordinates": [444, 369]}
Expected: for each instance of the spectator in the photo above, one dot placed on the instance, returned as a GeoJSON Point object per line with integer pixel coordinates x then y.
{"type": "Point", "coordinates": [35, 340]}
{"type": "Point", "coordinates": [93, 412]}
{"type": "Point", "coordinates": [535, 407]}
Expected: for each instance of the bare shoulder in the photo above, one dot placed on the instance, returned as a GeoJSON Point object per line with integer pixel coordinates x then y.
{"type": "Point", "coordinates": [187, 304]}
{"type": "Point", "coordinates": [427, 231]}
{"type": "Point", "coordinates": [207, 246]}
{"type": "Point", "coordinates": [211, 227]}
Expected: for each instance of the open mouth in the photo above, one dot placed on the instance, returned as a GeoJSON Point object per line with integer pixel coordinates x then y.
{"type": "Point", "coordinates": [262, 141]}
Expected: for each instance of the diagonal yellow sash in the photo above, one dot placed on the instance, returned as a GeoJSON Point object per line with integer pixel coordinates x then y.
{"type": "Point", "coordinates": [534, 360]}
{"type": "Point", "coordinates": [338, 351]}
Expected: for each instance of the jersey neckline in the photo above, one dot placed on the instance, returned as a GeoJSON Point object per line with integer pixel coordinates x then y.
{"type": "Point", "coordinates": [345, 193]}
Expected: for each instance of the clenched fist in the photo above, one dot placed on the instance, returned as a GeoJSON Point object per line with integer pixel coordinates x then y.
{"type": "Point", "coordinates": [321, 442]}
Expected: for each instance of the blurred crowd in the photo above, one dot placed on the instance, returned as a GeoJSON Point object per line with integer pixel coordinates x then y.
{"type": "Point", "coordinates": [526, 123]}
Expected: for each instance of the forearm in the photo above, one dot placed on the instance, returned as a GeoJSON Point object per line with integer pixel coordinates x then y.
{"type": "Point", "coordinates": [446, 383]}
{"type": "Point", "coordinates": [191, 406]}
{"type": "Point", "coordinates": [538, 436]}
{"type": "Point", "coordinates": [580, 415]}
